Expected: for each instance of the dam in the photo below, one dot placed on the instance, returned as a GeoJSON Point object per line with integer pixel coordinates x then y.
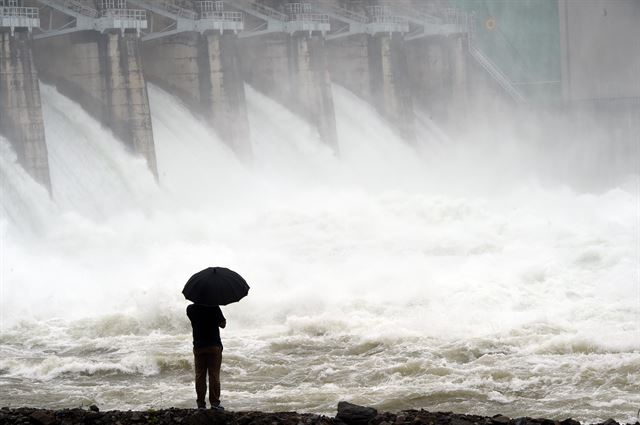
{"type": "Point", "coordinates": [102, 53]}
{"type": "Point", "coordinates": [407, 58]}
{"type": "Point", "coordinates": [435, 203]}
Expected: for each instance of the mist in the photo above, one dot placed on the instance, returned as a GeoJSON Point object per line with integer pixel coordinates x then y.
{"type": "Point", "coordinates": [489, 265]}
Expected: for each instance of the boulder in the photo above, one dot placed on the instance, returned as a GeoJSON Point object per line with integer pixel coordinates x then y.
{"type": "Point", "coordinates": [352, 414]}
{"type": "Point", "coordinates": [43, 417]}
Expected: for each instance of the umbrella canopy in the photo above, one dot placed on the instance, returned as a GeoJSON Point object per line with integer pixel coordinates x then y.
{"type": "Point", "coordinates": [215, 286]}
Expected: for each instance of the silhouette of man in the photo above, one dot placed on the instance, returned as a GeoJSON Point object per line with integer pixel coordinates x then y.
{"type": "Point", "coordinates": [207, 351]}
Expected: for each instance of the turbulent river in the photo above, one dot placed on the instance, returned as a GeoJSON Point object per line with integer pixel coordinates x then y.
{"type": "Point", "coordinates": [450, 276]}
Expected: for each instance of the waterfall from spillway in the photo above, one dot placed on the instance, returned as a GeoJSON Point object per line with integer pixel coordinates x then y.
{"type": "Point", "coordinates": [440, 276]}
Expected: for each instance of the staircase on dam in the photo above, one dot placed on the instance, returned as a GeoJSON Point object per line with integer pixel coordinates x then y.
{"type": "Point", "coordinates": [489, 66]}
{"type": "Point", "coordinates": [102, 52]}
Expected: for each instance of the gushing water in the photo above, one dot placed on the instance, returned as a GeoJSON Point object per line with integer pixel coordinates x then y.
{"type": "Point", "coordinates": [441, 276]}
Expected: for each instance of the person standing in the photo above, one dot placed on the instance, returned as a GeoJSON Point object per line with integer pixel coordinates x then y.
{"type": "Point", "coordinates": [206, 322]}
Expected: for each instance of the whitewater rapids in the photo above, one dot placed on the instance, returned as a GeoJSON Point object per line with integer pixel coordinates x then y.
{"type": "Point", "coordinates": [445, 277]}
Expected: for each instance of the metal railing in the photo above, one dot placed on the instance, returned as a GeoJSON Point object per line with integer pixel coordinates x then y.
{"type": "Point", "coordinates": [113, 4]}
{"type": "Point", "coordinates": [309, 17]}
{"type": "Point", "coordinates": [129, 14]}
{"type": "Point", "coordinates": [418, 16]}
{"type": "Point", "coordinates": [388, 19]}
{"type": "Point", "coordinates": [222, 16]}
{"type": "Point", "coordinates": [345, 13]}
{"type": "Point", "coordinates": [382, 20]}
{"type": "Point", "coordinates": [210, 6]}
{"type": "Point", "coordinates": [19, 12]}
{"type": "Point", "coordinates": [297, 8]}
{"type": "Point", "coordinates": [173, 8]}
{"type": "Point", "coordinates": [267, 11]}
{"type": "Point", "coordinates": [78, 7]}
{"type": "Point", "coordinates": [453, 16]}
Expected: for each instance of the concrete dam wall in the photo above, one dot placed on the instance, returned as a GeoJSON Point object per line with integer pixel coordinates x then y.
{"type": "Point", "coordinates": [20, 110]}
{"type": "Point", "coordinates": [102, 53]}
{"type": "Point", "coordinates": [103, 72]}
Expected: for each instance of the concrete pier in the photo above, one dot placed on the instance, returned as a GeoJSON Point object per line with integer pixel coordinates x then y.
{"type": "Point", "coordinates": [375, 68]}
{"type": "Point", "coordinates": [349, 64]}
{"type": "Point", "coordinates": [103, 72]}
{"type": "Point", "coordinates": [311, 85]}
{"type": "Point", "coordinates": [390, 86]}
{"type": "Point", "coordinates": [438, 74]}
{"type": "Point", "coordinates": [223, 95]}
{"type": "Point", "coordinates": [292, 68]}
{"type": "Point", "coordinates": [428, 64]}
{"type": "Point", "coordinates": [128, 113]}
{"type": "Point", "coordinates": [203, 70]}
{"type": "Point", "coordinates": [20, 108]}
{"type": "Point", "coordinates": [457, 52]}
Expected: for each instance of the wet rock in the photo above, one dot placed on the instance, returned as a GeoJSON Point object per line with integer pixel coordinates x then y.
{"type": "Point", "coordinates": [352, 414]}
{"type": "Point", "coordinates": [348, 413]}
{"type": "Point", "coordinates": [456, 420]}
{"type": "Point", "coordinates": [500, 419]}
{"type": "Point", "coordinates": [525, 420]}
{"type": "Point", "coordinates": [43, 417]}
{"type": "Point", "coordinates": [94, 408]}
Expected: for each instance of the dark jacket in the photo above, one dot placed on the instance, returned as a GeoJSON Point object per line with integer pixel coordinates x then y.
{"type": "Point", "coordinates": [205, 321]}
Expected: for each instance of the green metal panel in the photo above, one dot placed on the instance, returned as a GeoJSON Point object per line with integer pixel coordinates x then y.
{"type": "Point", "coordinates": [522, 37]}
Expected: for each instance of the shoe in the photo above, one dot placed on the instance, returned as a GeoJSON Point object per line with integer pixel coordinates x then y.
{"type": "Point", "coordinates": [218, 408]}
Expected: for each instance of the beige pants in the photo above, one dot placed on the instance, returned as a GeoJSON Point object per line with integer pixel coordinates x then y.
{"type": "Point", "coordinates": [208, 359]}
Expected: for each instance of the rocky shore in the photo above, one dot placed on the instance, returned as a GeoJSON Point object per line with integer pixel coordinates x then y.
{"type": "Point", "coordinates": [348, 414]}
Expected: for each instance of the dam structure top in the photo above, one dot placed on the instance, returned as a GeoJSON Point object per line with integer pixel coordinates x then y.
{"type": "Point", "coordinates": [13, 15]}
{"type": "Point", "coordinates": [208, 16]}
{"type": "Point", "coordinates": [378, 19]}
{"type": "Point", "coordinates": [246, 18]}
{"type": "Point", "coordinates": [113, 14]}
{"type": "Point", "coordinates": [428, 22]}
{"type": "Point", "coordinates": [296, 17]}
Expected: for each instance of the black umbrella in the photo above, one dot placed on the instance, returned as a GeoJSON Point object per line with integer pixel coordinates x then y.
{"type": "Point", "coordinates": [215, 286]}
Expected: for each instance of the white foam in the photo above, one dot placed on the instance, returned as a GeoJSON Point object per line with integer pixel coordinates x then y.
{"type": "Point", "coordinates": [451, 276]}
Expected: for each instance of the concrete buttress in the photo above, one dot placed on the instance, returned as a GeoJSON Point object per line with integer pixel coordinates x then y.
{"type": "Point", "coordinates": [311, 85]}
{"type": "Point", "coordinates": [458, 60]}
{"type": "Point", "coordinates": [20, 108]}
{"type": "Point", "coordinates": [349, 64]}
{"type": "Point", "coordinates": [429, 77]}
{"type": "Point", "coordinates": [103, 72]}
{"type": "Point", "coordinates": [223, 91]}
{"type": "Point", "coordinates": [128, 112]}
{"type": "Point", "coordinates": [375, 68]}
{"type": "Point", "coordinates": [390, 84]}
{"type": "Point", "coordinates": [293, 70]}
{"type": "Point", "coordinates": [439, 77]}
{"type": "Point", "coordinates": [203, 70]}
